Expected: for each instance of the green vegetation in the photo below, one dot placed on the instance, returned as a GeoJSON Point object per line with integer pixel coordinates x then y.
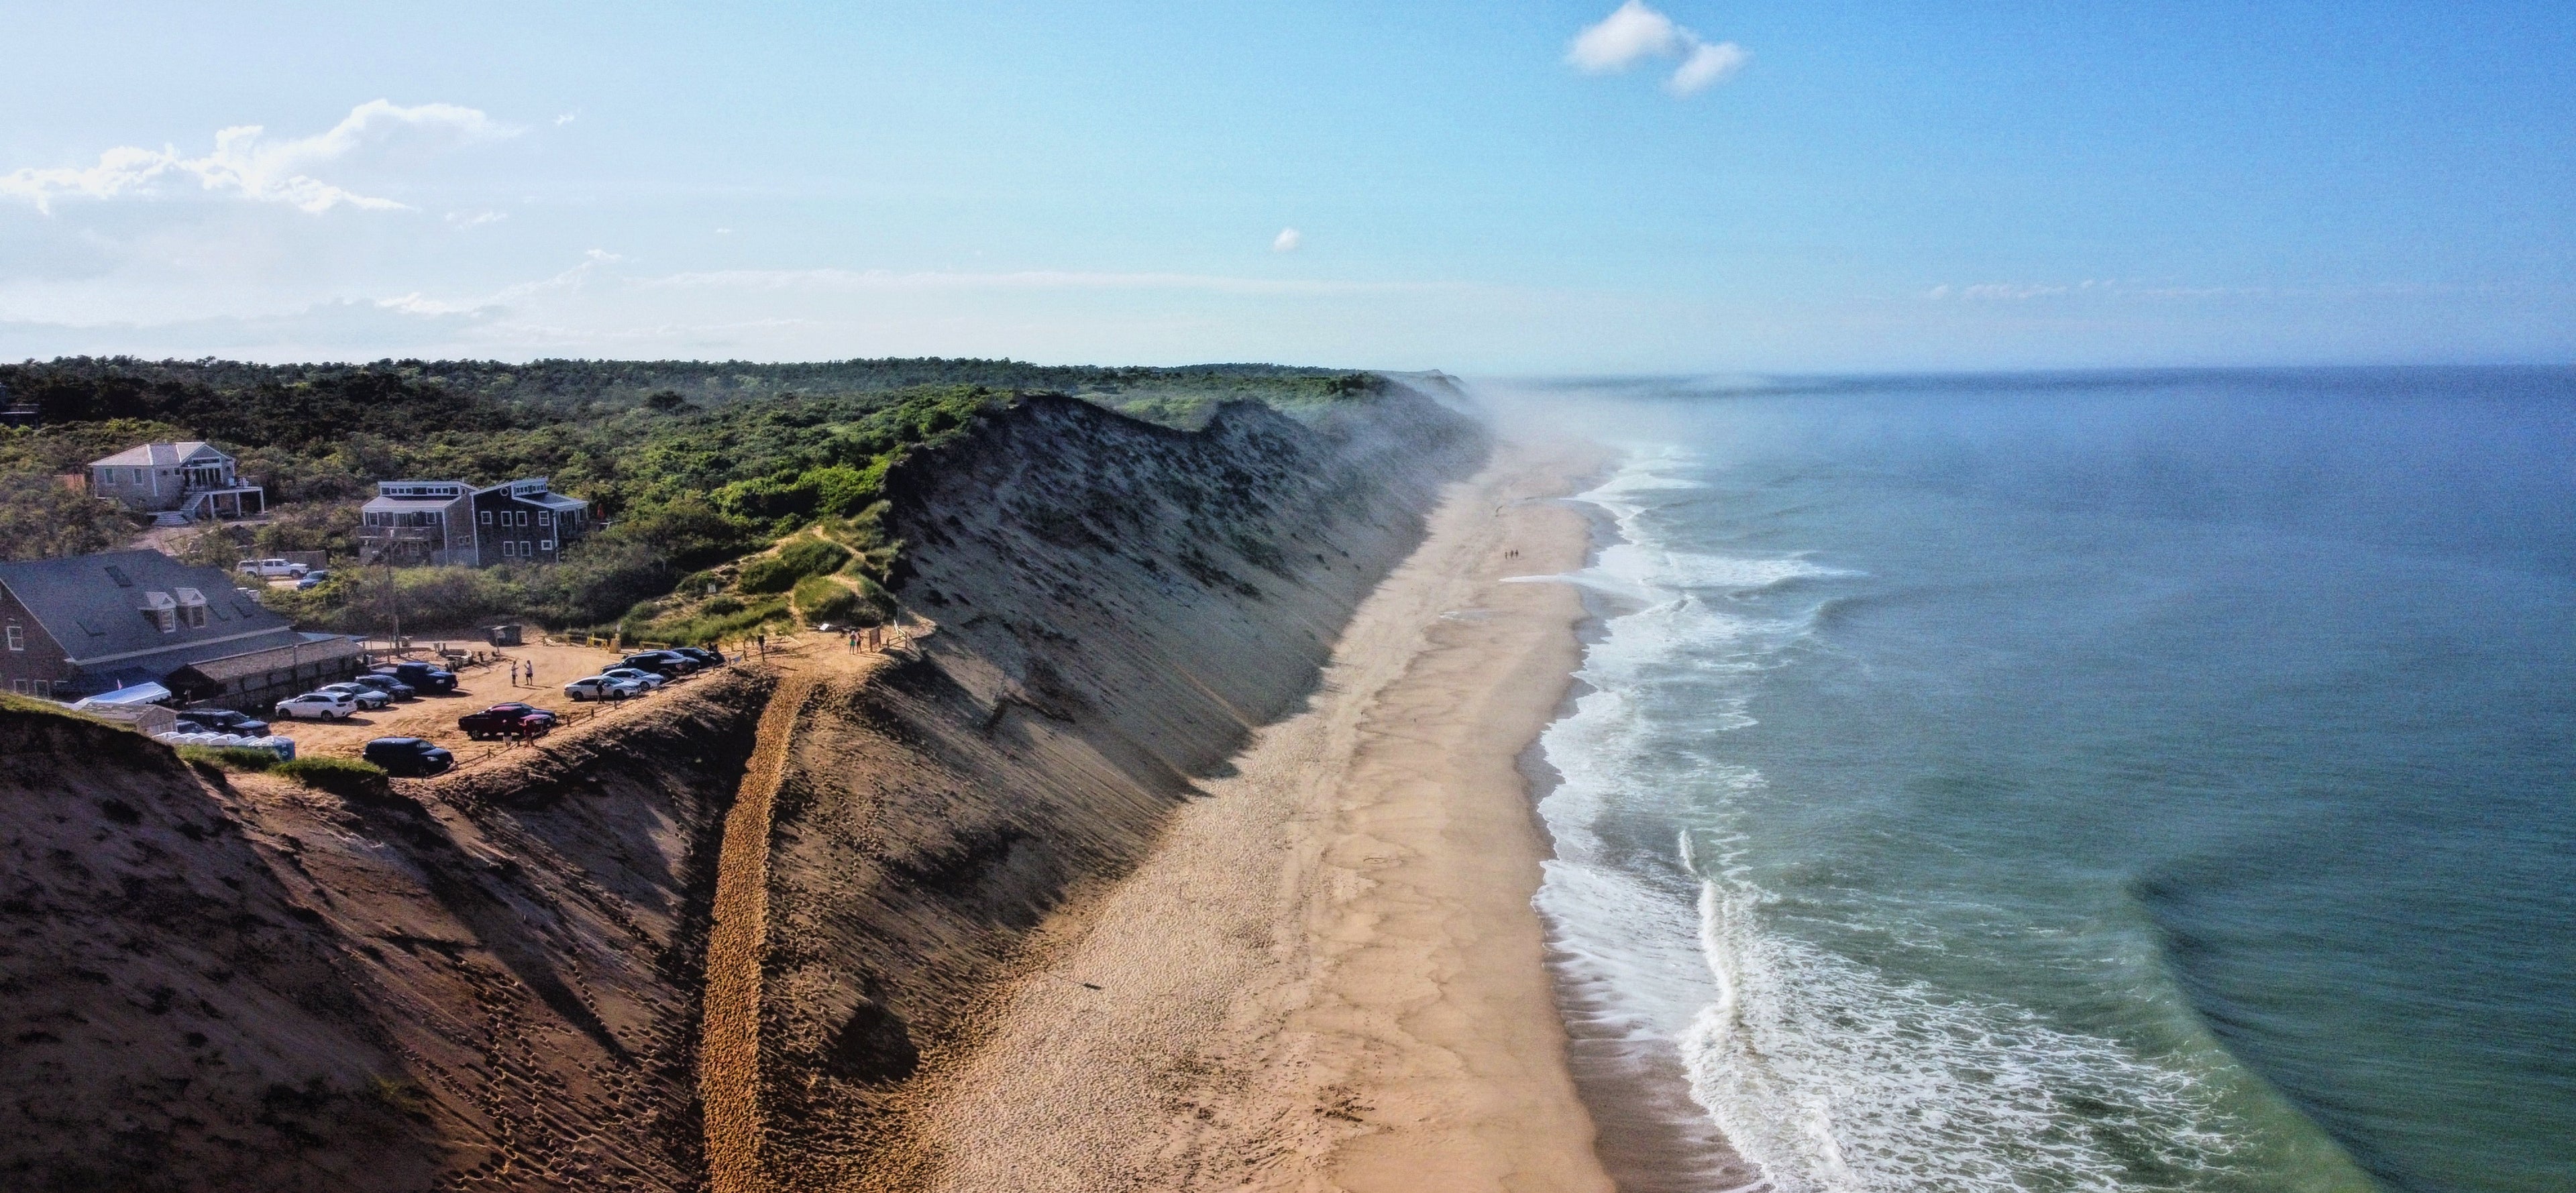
{"type": "Point", "coordinates": [693, 465]}
{"type": "Point", "coordinates": [339, 776]}
{"type": "Point", "coordinates": [231, 758]}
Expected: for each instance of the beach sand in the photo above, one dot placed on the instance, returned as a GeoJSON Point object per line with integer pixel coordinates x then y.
{"type": "Point", "coordinates": [1328, 975]}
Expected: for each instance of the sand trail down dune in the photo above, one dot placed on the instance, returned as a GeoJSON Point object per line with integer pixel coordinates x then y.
{"type": "Point", "coordinates": [729, 1049]}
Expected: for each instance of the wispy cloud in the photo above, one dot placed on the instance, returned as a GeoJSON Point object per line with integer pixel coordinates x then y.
{"type": "Point", "coordinates": [247, 164]}
{"type": "Point", "coordinates": [571, 279]}
{"type": "Point", "coordinates": [1634, 33]}
{"type": "Point", "coordinates": [1707, 65]}
{"type": "Point", "coordinates": [1287, 241]}
{"type": "Point", "coordinates": [1027, 279]}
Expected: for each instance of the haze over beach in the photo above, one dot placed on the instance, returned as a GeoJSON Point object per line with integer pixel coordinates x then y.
{"type": "Point", "coordinates": [1663, 597]}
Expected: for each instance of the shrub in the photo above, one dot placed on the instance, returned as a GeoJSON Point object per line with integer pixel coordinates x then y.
{"type": "Point", "coordinates": [797, 560]}
{"type": "Point", "coordinates": [232, 758]}
{"type": "Point", "coordinates": [721, 606]}
{"type": "Point", "coordinates": [339, 776]}
{"type": "Point", "coordinates": [858, 602]}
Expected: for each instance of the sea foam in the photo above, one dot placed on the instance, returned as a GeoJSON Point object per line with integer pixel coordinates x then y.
{"type": "Point", "coordinates": [1827, 1074]}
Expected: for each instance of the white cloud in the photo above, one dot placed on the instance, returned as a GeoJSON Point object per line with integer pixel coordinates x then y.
{"type": "Point", "coordinates": [475, 219]}
{"type": "Point", "coordinates": [1287, 241]}
{"type": "Point", "coordinates": [1624, 37]}
{"type": "Point", "coordinates": [1706, 65]}
{"type": "Point", "coordinates": [247, 164]}
{"type": "Point", "coordinates": [1635, 33]}
{"type": "Point", "coordinates": [566, 118]}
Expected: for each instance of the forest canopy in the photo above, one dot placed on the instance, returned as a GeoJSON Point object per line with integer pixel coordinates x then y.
{"type": "Point", "coordinates": [692, 464]}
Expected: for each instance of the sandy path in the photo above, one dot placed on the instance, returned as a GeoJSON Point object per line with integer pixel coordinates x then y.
{"type": "Point", "coordinates": [729, 1048]}
{"type": "Point", "coordinates": [1329, 976]}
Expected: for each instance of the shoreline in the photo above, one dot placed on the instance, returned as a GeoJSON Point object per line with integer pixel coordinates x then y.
{"type": "Point", "coordinates": [1329, 974]}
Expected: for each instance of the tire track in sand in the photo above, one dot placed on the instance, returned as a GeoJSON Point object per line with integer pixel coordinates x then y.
{"type": "Point", "coordinates": [737, 943]}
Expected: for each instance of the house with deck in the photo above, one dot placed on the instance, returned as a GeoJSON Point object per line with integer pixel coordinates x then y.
{"type": "Point", "coordinates": [182, 482]}
{"type": "Point", "coordinates": [451, 522]}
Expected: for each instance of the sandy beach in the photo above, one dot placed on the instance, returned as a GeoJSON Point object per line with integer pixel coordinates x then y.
{"type": "Point", "coordinates": [1328, 976]}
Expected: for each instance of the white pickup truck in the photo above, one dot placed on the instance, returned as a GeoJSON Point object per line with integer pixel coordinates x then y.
{"type": "Point", "coordinates": [272, 569]}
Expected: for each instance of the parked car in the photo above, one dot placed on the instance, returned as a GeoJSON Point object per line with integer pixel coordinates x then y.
{"type": "Point", "coordinates": [319, 706]}
{"type": "Point", "coordinates": [421, 676]}
{"type": "Point", "coordinates": [367, 697]}
{"type": "Point", "coordinates": [222, 720]}
{"type": "Point", "coordinates": [602, 687]}
{"type": "Point", "coordinates": [313, 579]}
{"type": "Point", "coordinates": [705, 657]}
{"type": "Point", "coordinates": [271, 569]}
{"type": "Point", "coordinates": [505, 720]}
{"type": "Point", "coordinates": [408, 757]}
{"type": "Point", "coordinates": [386, 684]}
{"type": "Point", "coordinates": [661, 662]}
{"type": "Point", "coordinates": [647, 680]}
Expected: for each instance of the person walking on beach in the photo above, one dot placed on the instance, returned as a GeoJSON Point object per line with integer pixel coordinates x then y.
{"type": "Point", "coordinates": [763, 641]}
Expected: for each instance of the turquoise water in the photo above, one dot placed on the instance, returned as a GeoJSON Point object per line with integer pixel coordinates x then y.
{"type": "Point", "coordinates": [2096, 782]}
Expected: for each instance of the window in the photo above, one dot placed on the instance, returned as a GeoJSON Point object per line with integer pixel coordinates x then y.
{"type": "Point", "coordinates": [546, 545]}
{"type": "Point", "coordinates": [487, 517]}
{"type": "Point", "coordinates": [17, 637]}
{"type": "Point", "coordinates": [509, 550]}
{"type": "Point", "coordinates": [196, 616]}
{"type": "Point", "coordinates": [544, 518]}
{"type": "Point", "coordinates": [19, 686]}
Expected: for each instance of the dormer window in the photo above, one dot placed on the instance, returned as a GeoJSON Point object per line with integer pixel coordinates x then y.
{"type": "Point", "coordinates": [163, 611]}
{"type": "Point", "coordinates": [192, 608]}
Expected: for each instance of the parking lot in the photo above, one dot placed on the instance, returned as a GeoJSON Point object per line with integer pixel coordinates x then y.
{"type": "Point", "coordinates": [433, 716]}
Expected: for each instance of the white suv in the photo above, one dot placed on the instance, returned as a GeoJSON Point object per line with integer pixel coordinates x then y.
{"type": "Point", "coordinates": [319, 706]}
{"type": "Point", "coordinates": [601, 687]}
{"type": "Point", "coordinates": [272, 569]}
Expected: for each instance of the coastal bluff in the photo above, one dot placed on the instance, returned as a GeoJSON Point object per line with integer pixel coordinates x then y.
{"type": "Point", "coordinates": [498, 979]}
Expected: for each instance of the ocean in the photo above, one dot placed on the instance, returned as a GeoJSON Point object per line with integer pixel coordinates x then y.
{"type": "Point", "coordinates": [2076, 782]}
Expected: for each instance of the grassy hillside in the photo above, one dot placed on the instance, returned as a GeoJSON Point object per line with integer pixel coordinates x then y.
{"type": "Point", "coordinates": [695, 464]}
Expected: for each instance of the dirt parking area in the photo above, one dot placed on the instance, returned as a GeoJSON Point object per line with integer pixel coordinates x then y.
{"type": "Point", "coordinates": [433, 716]}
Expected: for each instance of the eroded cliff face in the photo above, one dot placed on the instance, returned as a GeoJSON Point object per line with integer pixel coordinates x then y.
{"type": "Point", "coordinates": [483, 983]}
{"type": "Point", "coordinates": [1118, 605]}
{"type": "Point", "coordinates": [493, 980]}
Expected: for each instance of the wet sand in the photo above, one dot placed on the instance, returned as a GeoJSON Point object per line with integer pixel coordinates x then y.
{"type": "Point", "coordinates": [1328, 976]}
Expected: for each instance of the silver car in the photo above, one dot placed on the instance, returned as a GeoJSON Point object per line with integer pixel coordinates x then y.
{"type": "Point", "coordinates": [602, 687]}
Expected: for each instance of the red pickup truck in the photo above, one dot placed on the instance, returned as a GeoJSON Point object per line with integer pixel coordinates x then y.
{"type": "Point", "coordinates": [506, 720]}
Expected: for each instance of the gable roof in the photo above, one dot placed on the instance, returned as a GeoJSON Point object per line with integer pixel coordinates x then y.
{"type": "Point", "coordinates": [317, 649]}
{"type": "Point", "coordinates": [94, 608]}
{"type": "Point", "coordinates": [160, 455]}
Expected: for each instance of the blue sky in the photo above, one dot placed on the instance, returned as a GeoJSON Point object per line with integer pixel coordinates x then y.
{"type": "Point", "coordinates": [1846, 187]}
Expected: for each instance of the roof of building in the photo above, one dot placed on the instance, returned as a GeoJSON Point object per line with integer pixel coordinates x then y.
{"type": "Point", "coordinates": [160, 455]}
{"type": "Point", "coordinates": [555, 501]}
{"type": "Point", "coordinates": [403, 504]}
{"type": "Point", "coordinates": [96, 608]}
{"type": "Point", "coordinates": [316, 648]}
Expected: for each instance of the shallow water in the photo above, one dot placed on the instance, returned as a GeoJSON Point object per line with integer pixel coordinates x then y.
{"type": "Point", "coordinates": [2146, 782]}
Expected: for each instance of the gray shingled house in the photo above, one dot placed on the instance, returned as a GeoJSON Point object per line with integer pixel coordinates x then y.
{"type": "Point", "coordinates": [92, 623]}
{"type": "Point", "coordinates": [187, 481]}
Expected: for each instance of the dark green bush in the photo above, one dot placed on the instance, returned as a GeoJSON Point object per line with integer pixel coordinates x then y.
{"type": "Point", "coordinates": [793, 562]}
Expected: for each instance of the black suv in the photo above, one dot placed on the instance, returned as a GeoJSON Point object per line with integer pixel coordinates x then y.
{"type": "Point", "coordinates": [705, 657]}
{"type": "Point", "coordinates": [421, 676]}
{"type": "Point", "coordinates": [661, 662]}
{"type": "Point", "coordinates": [224, 720]}
{"type": "Point", "coordinates": [386, 684]}
{"type": "Point", "coordinates": [409, 757]}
